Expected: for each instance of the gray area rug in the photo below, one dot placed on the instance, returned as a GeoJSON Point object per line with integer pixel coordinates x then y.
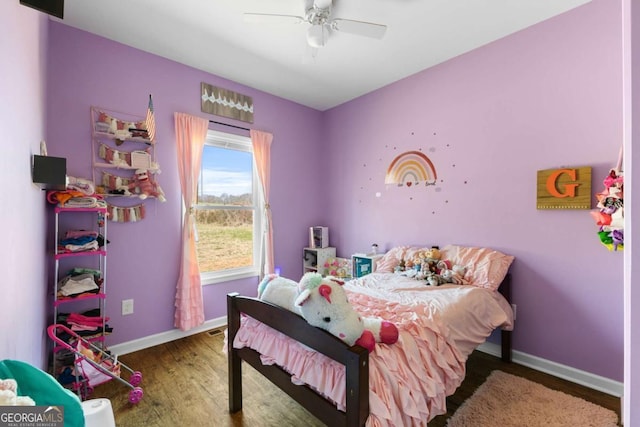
{"type": "Point", "coordinates": [506, 400]}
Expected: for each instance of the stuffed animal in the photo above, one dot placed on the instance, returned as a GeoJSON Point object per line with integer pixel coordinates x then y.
{"type": "Point", "coordinates": [9, 396]}
{"type": "Point", "coordinates": [428, 266]}
{"type": "Point", "coordinates": [323, 303]}
{"type": "Point", "coordinates": [435, 279]}
{"type": "Point", "coordinates": [443, 264]}
{"type": "Point", "coordinates": [143, 185]}
{"type": "Point", "coordinates": [279, 291]}
{"type": "Point", "coordinates": [455, 274]}
{"type": "Point", "coordinates": [402, 266]}
{"type": "Point", "coordinates": [426, 263]}
{"type": "Point", "coordinates": [433, 253]}
{"type": "Point", "coordinates": [445, 272]}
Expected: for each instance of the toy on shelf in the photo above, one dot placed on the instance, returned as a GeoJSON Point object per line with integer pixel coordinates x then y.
{"type": "Point", "coordinates": [143, 185]}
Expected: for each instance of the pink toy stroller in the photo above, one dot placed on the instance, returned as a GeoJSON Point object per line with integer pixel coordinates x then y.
{"type": "Point", "coordinates": [94, 366]}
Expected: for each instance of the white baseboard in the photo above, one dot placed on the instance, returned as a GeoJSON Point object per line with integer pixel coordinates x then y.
{"type": "Point", "coordinates": [568, 373]}
{"type": "Point", "coordinates": [165, 337]}
{"type": "Point", "coordinates": [565, 372]}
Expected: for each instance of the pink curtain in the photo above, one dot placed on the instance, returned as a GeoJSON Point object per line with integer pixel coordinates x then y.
{"type": "Point", "coordinates": [261, 142]}
{"type": "Point", "coordinates": [191, 133]}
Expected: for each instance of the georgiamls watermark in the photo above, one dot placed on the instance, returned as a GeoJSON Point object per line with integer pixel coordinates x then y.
{"type": "Point", "coordinates": [31, 416]}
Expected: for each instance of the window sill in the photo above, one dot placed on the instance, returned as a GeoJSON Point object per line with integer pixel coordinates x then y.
{"type": "Point", "coordinates": [227, 276]}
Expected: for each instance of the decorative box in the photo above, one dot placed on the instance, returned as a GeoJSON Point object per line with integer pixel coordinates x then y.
{"type": "Point", "coordinates": [318, 237]}
{"type": "Point", "coordinates": [363, 264]}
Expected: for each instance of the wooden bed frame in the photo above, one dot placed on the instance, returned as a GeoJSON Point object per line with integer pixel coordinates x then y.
{"type": "Point", "coordinates": [354, 358]}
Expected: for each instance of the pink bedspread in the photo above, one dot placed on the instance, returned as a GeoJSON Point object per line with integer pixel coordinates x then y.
{"type": "Point", "coordinates": [409, 380]}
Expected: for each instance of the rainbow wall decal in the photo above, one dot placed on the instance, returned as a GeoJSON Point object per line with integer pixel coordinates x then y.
{"type": "Point", "coordinates": [411, 168]}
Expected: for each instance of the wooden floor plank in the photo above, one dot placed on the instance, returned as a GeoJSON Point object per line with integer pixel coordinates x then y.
{"type": "Point", "coordinates": [185, 383]}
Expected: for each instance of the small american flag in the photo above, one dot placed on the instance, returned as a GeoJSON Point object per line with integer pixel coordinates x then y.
{"type": "Point", "coordinates": [150, 121]}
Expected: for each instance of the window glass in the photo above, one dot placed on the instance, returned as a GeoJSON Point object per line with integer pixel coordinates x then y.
{"type": "Point", "coordinates": [228, 209]}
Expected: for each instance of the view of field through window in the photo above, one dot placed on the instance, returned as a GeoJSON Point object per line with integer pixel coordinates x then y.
{"type": "Point", "coordinates": [224, 214]}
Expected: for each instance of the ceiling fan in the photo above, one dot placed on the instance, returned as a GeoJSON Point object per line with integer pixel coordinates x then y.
{"type": "Point", "coordinates": [318, 14]}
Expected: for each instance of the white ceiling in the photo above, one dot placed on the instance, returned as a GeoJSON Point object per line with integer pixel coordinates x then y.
{"type": "Point", "coordinates": [211, 35]}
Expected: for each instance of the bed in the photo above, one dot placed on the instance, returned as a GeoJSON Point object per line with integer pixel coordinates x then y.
{"type": "Point", "coordinates": [405, 383]}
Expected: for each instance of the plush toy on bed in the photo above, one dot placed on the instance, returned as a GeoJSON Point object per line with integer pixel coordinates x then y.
{"type": "Point", "coordinates": [429, 266]}
{"type": "Point", "coordinates": [452, 273]}
{"type": "Point", "coordinates": [429, 260]}
{"type": "Point", "coordinates": [323, 303]}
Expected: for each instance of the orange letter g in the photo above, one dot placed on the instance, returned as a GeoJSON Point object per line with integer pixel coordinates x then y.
{"type": "Point", "coordinates": [569, 189]}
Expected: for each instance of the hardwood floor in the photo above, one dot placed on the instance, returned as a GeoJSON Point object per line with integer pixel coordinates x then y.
{"type": "Point", "coordinates": [185, 384]}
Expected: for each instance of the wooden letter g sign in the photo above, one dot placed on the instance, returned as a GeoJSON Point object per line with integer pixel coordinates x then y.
{"type": "Point", "coordinates": [565, 188]}
{"type": "Point", "coordinates": [569, 188]}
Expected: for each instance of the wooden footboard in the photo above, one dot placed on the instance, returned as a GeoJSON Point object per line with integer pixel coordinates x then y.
{"type": "Point", "coordinates": [355, 359]}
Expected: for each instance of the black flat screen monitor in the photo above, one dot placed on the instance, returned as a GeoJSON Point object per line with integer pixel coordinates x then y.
{"type": "Point", "coordinates": [52, 7]}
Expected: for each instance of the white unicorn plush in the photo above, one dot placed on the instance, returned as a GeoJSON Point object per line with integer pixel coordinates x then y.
{"type": "Point", "coordinates": [324, 304]}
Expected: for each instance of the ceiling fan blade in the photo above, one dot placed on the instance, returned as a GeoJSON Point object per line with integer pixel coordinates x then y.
{"type": "Point", "coordinates": [268, 18]}
{"type": "Point", "coordinates": [361, 28]}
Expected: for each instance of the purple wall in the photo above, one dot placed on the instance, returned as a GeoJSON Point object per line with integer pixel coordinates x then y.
{"type": "Point", "coordinates": [143, 257]}
{"type": "Point", "coordinates": [22, 207]}
{"type": "Point", "coordinates": [546, 97]}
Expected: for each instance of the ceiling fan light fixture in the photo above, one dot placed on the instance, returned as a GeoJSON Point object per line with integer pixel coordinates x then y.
{"type": "Point", "coordinates": [317, 36]}
{"type": "Point", "coordinates": [322, 4]}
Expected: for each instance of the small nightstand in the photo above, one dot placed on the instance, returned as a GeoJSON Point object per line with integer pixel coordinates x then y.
{"type": "Point", "coordinates": [364, 264]}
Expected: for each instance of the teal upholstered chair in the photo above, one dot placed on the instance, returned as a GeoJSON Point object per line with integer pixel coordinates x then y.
{"type": "Point", "coordinates": [44, 390]}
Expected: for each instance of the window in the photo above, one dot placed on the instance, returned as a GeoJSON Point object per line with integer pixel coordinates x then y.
{"type": "Point", "coordinates": [229, 210]}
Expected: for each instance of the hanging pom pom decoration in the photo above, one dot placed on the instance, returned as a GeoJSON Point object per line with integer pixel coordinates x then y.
{"type": "Point", "coordinates": [126, 214]}
{"type": "Point", "coordinates": [610, 214]}
{"type": "Point", "coordinates": [115, 157]}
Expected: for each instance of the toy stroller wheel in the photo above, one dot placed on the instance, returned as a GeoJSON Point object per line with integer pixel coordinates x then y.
{"type": "Point", "coordinates": [136, 378]}
{"type": "Point", "coordinates": [135, 395]}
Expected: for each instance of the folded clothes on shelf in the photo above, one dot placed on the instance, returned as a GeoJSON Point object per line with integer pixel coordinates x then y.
{"type": "Point", "coordinates": [75, 285]}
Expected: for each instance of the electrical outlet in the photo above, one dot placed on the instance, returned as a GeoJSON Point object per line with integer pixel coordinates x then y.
{"type": "Point", "coordinates": [513, 307]}
{"type": "Point", "coordinates": [127, 306]}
